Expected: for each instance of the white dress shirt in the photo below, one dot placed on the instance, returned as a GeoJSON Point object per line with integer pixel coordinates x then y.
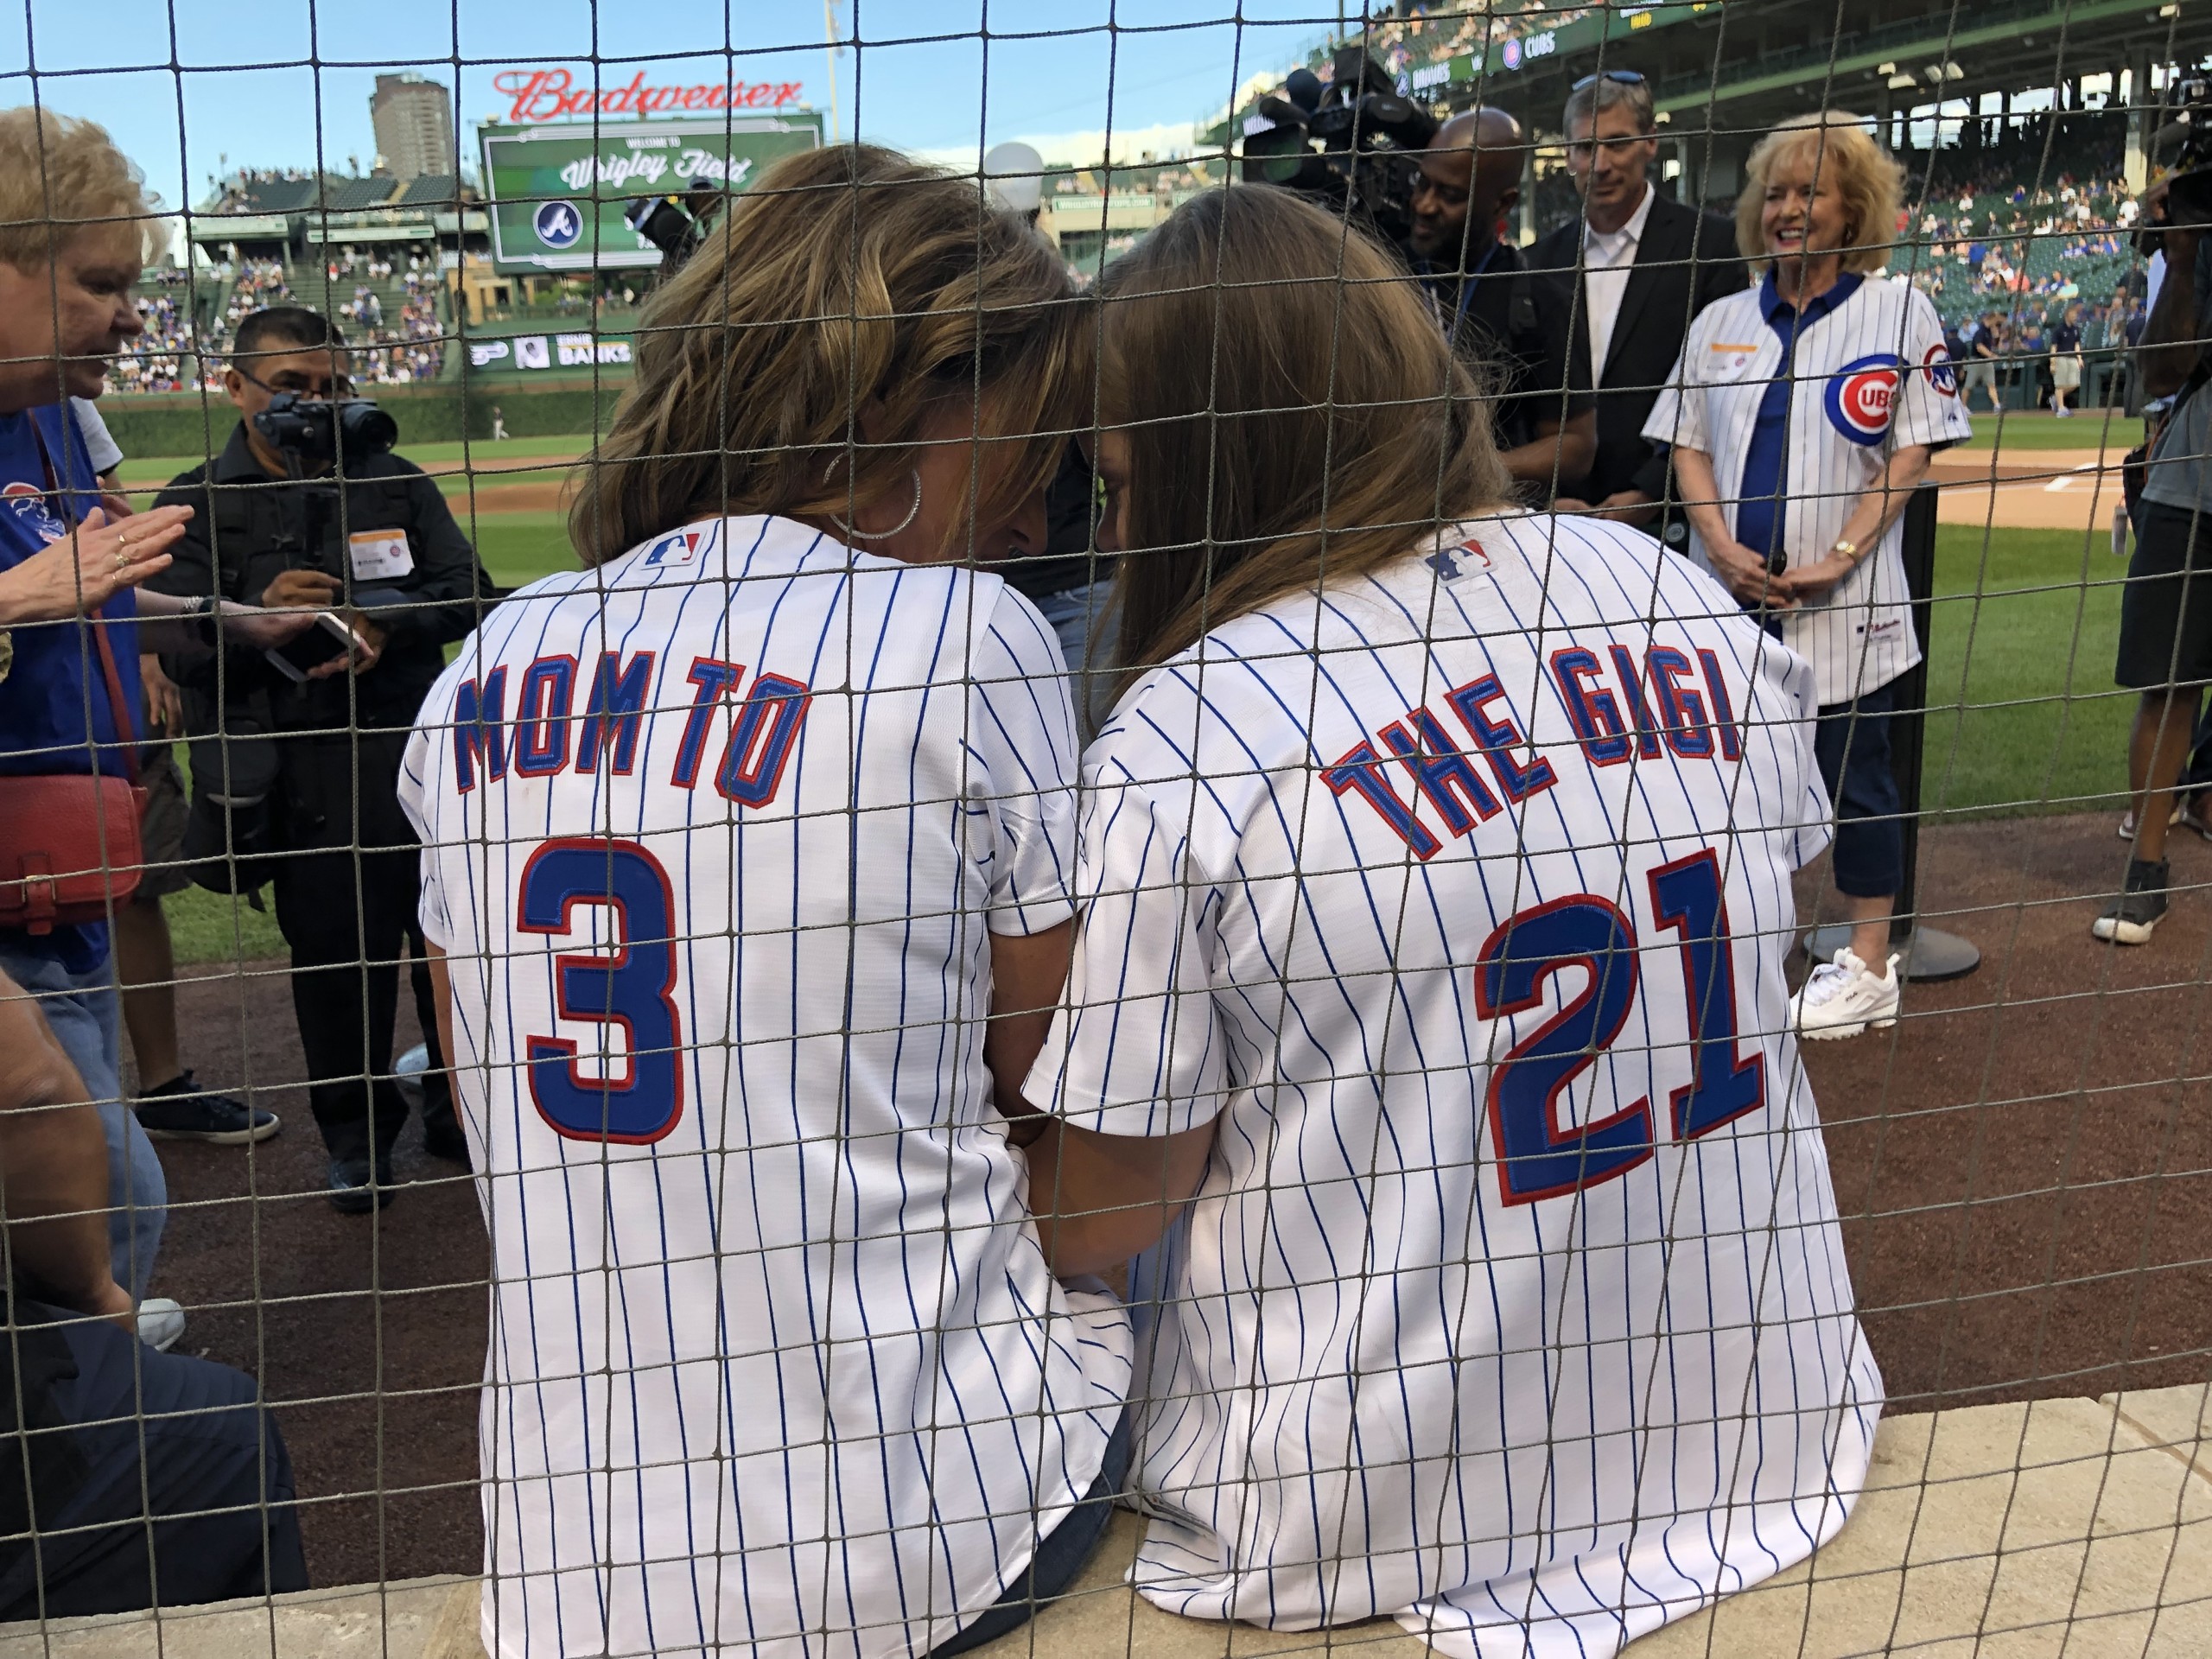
{"type": "Point", "coordinates": [1606, 259]}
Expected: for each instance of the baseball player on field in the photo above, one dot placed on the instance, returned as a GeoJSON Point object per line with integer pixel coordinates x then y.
{"type": "Point", "coordinates": [747, 856]}
{"type": "Point", "coordinates": [1803, 413]}
{"type": "Point", "coordinates": [1428, 986]}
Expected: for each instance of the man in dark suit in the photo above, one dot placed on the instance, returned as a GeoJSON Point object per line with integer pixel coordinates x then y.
{"type": "Point", "coordinates": [1647, 266]}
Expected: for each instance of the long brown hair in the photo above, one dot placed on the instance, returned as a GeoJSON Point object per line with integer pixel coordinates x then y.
{"type": "Point", "coordinates": [1293, 414]}
{"type": "Point", "coordinates": [849, 283]}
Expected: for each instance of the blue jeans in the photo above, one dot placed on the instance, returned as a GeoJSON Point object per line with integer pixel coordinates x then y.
{"type": "Point", "coordinates": [1852, 744]}
{"type": "Point", "coordinates": [86, 1013]}
{"type": "Point", "coordinates": [185, 1489]}
{"type": "Point", "coordinates": [1089, 629]}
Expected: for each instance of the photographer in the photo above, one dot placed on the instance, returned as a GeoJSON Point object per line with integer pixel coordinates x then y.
{"type": "Point", "coordinates": [274, 517]}
{"type": "Point", "coordinates": [2165, 618]}
{"type": "Point", "coordinates": [1511, 322]}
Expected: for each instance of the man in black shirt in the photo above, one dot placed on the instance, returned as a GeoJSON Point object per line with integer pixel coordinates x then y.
{"type": "Point", "coordinates": [381, 545]}
{"type": "Point", "coordinates": [1511, 324]}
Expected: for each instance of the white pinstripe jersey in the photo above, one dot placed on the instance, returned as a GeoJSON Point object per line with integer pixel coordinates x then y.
{"type": "Point", "coordinates": [713, 836]}
{"type": "Point", "coordinates": [1513, 1301]}
{"type": "Point", "coordinates": [1870, 376]}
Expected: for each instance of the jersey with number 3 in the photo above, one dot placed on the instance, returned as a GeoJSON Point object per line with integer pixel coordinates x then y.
{"type": "Point", "coordinates": [716, 837]}
{"type": "Point", "coordinates": [1512, 1302]}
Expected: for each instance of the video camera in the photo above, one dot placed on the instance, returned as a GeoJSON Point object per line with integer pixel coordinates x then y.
{"type": "Point", "coordinates": [2189, 187]}
{"type": "Point", "coordinates": [1350, 145]}
{"type": "Point", "coordinates": [322, 430]}
{"type": "Point", "coordinates": [677, 223]}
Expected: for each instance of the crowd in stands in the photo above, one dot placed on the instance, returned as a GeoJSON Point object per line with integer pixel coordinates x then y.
{"type": "Point", "coordinates": [1418, 38]}
{"type": "Point", "coordinates": [393, 316]}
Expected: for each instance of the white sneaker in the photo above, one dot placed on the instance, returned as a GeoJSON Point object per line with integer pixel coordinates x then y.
{"type": "Point", "coordinates": [161, 1322]}
{"type": "Point", "coordinates": [1842, 998]}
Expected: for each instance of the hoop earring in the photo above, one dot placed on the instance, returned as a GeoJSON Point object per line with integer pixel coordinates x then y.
{"type": "Point", "coordinates": [913, 513]}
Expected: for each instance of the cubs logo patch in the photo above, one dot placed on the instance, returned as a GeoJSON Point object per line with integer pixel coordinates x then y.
{"type": "Point", "coordinates": [28, 503]}
{"type": "Point", "coordinates": [1941, 374]}
{"type": "Point", "coordinates": [680, 547]}
{"type": "Point", "coordinates": [1862, 396]}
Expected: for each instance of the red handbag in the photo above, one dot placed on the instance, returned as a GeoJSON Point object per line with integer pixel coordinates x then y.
{"type": "Point", "coordinates": [69, 847]}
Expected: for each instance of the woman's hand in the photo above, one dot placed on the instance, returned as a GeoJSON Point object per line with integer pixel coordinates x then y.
{"type": "Point", "coordinates": [1743, 573]}
{"type": "Point", "coordinates": [1812, 581]}
{"type": "Point", "coordinates": [90, 566]}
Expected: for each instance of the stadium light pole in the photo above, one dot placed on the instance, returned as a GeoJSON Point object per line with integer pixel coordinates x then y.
{"type": "Point", "coordinates": [830, 51]}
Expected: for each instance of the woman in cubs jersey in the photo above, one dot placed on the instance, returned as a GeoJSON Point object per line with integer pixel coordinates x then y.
{"type": "Point", "coordinates": [1803, 413]}
{"type": "Point", "coordinates": [1435, 890]}
{"type": "Point", "coordinates": [748, 851]}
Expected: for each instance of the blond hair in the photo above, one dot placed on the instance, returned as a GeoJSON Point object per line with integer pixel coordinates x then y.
{"type": "Point", "coordinates": [849, 282]}
{"type": "Point", "coordinates": [1846, 158]}
{"type": "Point", "coordinates": [1293, 414]}
{"type": "Point", "coordinates": [59, 175]}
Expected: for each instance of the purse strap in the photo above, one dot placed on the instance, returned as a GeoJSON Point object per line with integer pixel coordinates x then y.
{"type": "Point", "coordinates": [118, 713]}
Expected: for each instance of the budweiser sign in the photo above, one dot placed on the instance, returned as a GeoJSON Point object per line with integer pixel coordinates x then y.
{"type": "Point", "coordinates": [549, 94]}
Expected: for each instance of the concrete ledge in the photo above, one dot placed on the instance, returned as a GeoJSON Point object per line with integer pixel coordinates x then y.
{"type": "Point", "coordinates": [2074, 1527]}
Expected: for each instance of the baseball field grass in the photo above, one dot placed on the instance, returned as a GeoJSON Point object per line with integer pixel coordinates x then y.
{"type": "Point", "coordinates": [2023, 717]}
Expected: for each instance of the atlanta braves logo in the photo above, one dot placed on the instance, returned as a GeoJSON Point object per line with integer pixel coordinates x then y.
{"type": "Point", "coordinates": [28, 503]}
{"type": "Point", "coordinates": [1862, 395]}
{"type": "Point", "coordinates": [1941, 374]}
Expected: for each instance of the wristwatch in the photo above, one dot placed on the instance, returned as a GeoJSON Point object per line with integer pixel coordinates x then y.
{"type": "Point", "coordinates": [202, 610]}
{"type": "Point", "coordinates": [1849, 549]}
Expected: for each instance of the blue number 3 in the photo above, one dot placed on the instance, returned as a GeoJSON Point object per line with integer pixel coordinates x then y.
{"type": "Point", "coordinates": [1536, 1158]}
{"type": "Point", "coordinates": [632, 990]}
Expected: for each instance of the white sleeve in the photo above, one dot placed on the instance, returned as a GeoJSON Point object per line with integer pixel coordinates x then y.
{"type": "Point", "coordinates": [1677, 418]}
{"type": "Point", "coordinates": [417, 779]}
{"type": "Point", "coordinates": [1136, 1048]}
{"type": "Point", "coordinates": [106, 453]}
{"type": "Point", "coordinates": [1930, 409]}
{"type": "Point", "coordinates": [1021, 768]}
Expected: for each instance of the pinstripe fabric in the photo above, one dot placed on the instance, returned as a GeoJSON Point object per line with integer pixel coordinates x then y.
{"type": "Point", "coordinates": [1870, 376]}
{"type": "Point", "coordinates": [1374, 1386]}
{"type": "Point", "coordinates": [792, 1377]}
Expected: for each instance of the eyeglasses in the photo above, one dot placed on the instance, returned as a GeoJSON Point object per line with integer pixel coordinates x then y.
{"type": "Point", "coordinates": [339, 386]}
{"type": "Point", "coordinates": [1622, 77]}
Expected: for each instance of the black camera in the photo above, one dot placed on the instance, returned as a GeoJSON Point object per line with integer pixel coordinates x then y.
{"type": "Point", "coordinates": [1351, 145]}
{"type": "Point", "coordinates": [2189, 136]}
{"type": "Point", "coordinates": [317, 429]}
{"type": "Point", "coordinates": [676, 223]}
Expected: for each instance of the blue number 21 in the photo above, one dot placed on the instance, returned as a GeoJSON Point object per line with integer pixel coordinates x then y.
{"type": "Point", "coordinates": [1536, 1160]}
{"type": "Point", "coordinates": [632, 990]}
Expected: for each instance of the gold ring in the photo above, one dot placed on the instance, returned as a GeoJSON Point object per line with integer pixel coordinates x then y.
{"type": "Point", "coordinates": [123, 561]}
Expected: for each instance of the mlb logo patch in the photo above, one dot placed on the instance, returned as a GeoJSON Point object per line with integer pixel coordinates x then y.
{"type": "Point", "coordinates": [679, 547]}
{"type": "Point", "coordinates": [1862, 397]}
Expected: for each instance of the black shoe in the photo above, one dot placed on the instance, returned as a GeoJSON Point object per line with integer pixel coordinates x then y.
{"type": "Point", "coordinates": [2140, 907]}
{"type": "Point", "coordinates": [351, 1191]}
{"type": "Point", "coordinates": [181, 1110]}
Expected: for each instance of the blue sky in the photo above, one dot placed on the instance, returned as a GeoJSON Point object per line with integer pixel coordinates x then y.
{"type": "Point", "coordinates": [272, 83]}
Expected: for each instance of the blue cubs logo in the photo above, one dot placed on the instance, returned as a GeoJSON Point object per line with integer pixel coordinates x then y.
{"type": "Point", "coordinates": [28, 503]}
{"type": "Point", "coordinates": [679, 547]}
{"type": "Point", "coordinates": [1862, 396]}
{"type": "Point", "coordinates": [1941, 374]}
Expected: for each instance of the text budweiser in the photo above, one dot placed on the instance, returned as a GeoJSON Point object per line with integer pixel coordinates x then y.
{"type": "Point", "coordinates": [549, 94]}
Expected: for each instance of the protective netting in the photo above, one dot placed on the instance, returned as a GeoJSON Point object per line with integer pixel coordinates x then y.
{"type": "Point", "coordinates": [1084, 829]}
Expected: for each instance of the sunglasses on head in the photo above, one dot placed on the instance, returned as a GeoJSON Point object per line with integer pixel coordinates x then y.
{"type": "Point", "coordinates": [1625, 77]}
